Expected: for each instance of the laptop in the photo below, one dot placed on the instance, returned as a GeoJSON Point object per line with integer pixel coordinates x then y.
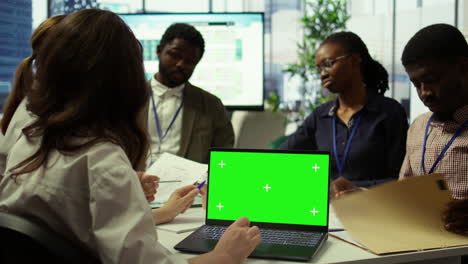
{"type": "Point", "coordinates": [283, 192]}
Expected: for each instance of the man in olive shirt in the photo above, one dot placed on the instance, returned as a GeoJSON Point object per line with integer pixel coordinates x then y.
{"type": "Point", "coordinates": [182, 118]}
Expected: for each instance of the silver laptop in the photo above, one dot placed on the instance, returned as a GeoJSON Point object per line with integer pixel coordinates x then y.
{"type": "Point", "coordinates": [284, 193]}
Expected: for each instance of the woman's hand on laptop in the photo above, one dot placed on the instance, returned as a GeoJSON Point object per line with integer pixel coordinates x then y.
{"type": "Point", "coordinates": [239, 240]}
{"type": "Point", "coordinates": [149, 184]}
{"type": "Point", "coordinates": [179, 201]}
{"type": "Point", "coordinates": [236, 244]}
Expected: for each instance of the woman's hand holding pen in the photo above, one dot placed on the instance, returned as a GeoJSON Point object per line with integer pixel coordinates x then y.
{"type": "Point", "coordinates": [179, 201]}
{"type": "Point", "coordinates": [203, 195]}
{"type": "Point", "coordinates": [149, 183]}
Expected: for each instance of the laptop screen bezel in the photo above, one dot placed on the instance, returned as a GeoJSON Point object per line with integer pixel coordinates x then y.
{"type": "Point", "coordinates": [298, 227]}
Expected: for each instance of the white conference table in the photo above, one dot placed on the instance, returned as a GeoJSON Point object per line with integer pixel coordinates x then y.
{"type": "Point", "coordinates": [339, 251]}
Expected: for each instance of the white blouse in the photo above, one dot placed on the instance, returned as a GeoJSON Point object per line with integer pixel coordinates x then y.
{"type": "Point", "coordinates": [21, 118]}
{"type": "Point", "coordinates": [93, 197]}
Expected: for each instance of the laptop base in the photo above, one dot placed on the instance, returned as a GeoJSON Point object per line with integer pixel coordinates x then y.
{"type": "Point", "coordinates": [194, 244]}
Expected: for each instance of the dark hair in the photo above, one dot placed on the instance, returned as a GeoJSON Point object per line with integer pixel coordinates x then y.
{"type": "Point", "coordinates": [185, 32]}
{"type": "Point", "coordinates": [375, 76]}
{"type": "Point", "coordinates": [438, 41]}
{"type": "Point", "coordinates": [23, 76]}
{"type": "Point", "coordinates": [90, 87]}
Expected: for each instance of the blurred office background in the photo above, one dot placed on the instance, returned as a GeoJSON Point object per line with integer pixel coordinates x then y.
{"type": "Point", "coordinates": [384, 25]}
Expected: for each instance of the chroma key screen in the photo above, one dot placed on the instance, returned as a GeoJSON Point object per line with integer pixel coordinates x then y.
{"type": "Point", "coordinates": [276, 187]}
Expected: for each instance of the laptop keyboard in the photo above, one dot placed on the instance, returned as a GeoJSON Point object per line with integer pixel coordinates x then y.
{"type": "Point", "coordinates": [269, 236]}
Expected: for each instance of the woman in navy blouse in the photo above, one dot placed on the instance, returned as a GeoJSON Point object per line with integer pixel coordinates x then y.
{"type": "Point", "coordinates": [364, 131]}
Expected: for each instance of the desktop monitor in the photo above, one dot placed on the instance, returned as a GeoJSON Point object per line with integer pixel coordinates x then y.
{"type": "Point", "coordinates": [232, 66]}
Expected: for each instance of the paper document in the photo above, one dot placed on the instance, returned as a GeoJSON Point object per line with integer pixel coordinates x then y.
{"type": "Point", "coordinates": [399, 216]}
{"type": "Point", "coordinates": [196, 203]}
{"type": "Point", "coordinates": [192, 219]}
{"type": "Point", "coordinates": [170, 167]}
{"type": "Point", "coordinates": [334, 224]}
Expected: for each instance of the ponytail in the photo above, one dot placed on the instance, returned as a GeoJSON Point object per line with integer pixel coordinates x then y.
{"type": "Point", "coordinates": [22, 82]}
{"type": "Point", "coordinates": [374, 74]}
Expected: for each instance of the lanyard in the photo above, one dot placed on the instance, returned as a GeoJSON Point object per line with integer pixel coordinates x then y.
{"type": "Point", "coordinates": [156, 119]}
{"type": "Point", "coordinates": [340, 164]}
{"type": "Point", "coordinates": [457, 133]}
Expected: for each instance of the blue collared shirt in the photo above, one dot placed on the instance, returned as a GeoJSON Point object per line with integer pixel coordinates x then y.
{"type": "Point", "coordinates": [377, 149]}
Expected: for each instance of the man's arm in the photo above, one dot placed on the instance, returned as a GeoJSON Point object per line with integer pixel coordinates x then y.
{"type": "Point", "coordinates": [223, 134]}
{"type": "Point", "coordinates": [407, 170]}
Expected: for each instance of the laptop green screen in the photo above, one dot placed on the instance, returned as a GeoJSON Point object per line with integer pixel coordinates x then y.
{"type": "Point", "coordinates": [276, 187]}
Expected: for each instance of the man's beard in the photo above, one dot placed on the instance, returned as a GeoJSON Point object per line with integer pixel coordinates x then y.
{"type": "Point", "coordinates": [167, 74]}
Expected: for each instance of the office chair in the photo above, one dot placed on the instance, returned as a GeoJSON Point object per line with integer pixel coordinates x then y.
{"type": "Point", "coordinates": [25, 241]}
{"type": "Point", "coordinates": [256, 130]}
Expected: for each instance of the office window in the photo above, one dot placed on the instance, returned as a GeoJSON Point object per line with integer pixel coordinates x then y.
{"type": "Point", "coordinates": [15, 31]}
{"type": "Point", "coordinates": [177, 6]}
{"type": "Point", "coordinates": [282, 30]}
{"type": "Point", "coordinates": [407, 5]}
{"type": "Point", "coordinates": [227, 6]}
{"type": "Point", "coordinates": [282, 33]}
{"type": "Point", "coordinates": [361, 7]}
{"type": "Point", "coordinates": [39, 12]}
{"type": "Point", "coordinates": [59, 7]}
{"type": "Point", "coordinates": [122, 6]}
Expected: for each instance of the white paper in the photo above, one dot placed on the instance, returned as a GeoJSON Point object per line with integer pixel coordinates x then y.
{"type": "Point", "coordinates": [170, 167]}
{"type": "Point", "coordinates": [192, 219]}
{"type": "Point", "coordinates": [334, 223]}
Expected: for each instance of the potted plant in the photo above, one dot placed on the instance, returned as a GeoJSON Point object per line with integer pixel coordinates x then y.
{"type": "Point", "coordinates": [321, 18]}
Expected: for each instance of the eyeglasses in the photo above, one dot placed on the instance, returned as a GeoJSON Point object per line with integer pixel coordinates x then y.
{"type": "Point", "coordinates": [328, 63]}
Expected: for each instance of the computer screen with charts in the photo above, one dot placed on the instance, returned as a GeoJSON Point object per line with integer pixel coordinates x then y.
{"type": "Point", "coordinates": [269, 186]}
{"type": "Point", "coordinates": [232, 66]}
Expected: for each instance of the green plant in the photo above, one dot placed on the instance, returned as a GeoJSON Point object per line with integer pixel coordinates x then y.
{"type": "Point", "coordinates": [321, 18]}
{"type": "Point", "coordinates": [273, 101]}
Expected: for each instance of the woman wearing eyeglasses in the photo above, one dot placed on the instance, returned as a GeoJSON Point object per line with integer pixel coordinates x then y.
{"type": "Point", "coordinates": [364, 131]}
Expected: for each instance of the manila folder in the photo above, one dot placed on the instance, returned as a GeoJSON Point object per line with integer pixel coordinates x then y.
{"type": "Point", "coordinates": [399, 216]}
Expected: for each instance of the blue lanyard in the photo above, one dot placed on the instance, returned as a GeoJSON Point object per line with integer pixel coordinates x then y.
{"type": "Point", "coordinates": [457, 133]}
{"type": "Point", "coordinates": [340, 164]}
{"type": "Point", "coordinates": [156, 119]}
